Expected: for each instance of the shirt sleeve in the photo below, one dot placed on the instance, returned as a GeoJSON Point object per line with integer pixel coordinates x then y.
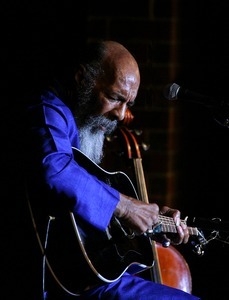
{"type": "Point", "coordinates": [55, 134]}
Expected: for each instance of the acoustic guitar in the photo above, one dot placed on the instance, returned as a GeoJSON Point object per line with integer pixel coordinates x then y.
{"type": "Point", "coordinates": [93, 255]}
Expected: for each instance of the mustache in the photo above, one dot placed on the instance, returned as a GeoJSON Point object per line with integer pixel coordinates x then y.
{"type": "Point", "coordinates": [98, 122]}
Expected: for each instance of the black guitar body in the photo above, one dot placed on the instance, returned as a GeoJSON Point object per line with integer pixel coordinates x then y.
{"type": "Point", "coordinates": [79, 254]}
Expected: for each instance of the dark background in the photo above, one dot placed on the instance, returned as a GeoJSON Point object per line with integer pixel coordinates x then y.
{"type": "Point", "coordinates": [43, 35]}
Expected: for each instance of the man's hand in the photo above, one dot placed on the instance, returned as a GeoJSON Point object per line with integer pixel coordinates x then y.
{"type": "Point", "coordinates": [141, 217]}
{"type": "Point", "coordinates": [137, 215]}
{"type": "Point", "coordinates": [182, 235]}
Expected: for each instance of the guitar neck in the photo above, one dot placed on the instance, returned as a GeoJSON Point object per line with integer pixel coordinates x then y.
{"type": "Point", "coordinates": [167, 224]}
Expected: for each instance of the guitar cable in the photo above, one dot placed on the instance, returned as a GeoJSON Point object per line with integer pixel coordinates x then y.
{"type": "Point", "coordinates": [43, 248]}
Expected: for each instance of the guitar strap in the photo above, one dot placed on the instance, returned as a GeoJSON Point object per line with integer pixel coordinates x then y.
{"type": "Point", "coordinates": [43, 249]}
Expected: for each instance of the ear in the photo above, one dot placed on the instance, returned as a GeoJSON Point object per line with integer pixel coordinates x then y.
{"type": "Point", "coordinates": [79, 75]}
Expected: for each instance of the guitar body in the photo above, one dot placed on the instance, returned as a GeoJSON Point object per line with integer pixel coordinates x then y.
{"type": "Point", "coordinates": [80, 254]}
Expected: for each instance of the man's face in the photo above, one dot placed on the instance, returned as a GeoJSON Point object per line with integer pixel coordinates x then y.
{"type": "Point", "coordinates": [114, 93]}
{"type": "Point", "coordinates": [101, 104]}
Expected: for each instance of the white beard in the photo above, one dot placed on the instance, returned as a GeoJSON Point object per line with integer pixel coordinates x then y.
{"type": "Point", "coordinates": [91, 144]}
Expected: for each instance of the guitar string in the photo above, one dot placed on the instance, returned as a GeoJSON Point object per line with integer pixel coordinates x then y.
{"type": "Point", "coordinates": [170, 221]}
{"type": "Point", "coordinates": [168, 225]}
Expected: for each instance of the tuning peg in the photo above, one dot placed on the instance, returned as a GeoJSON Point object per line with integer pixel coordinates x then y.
{"type": "Point", "coordinates": [145, 146]}
{"type": "Point", "coordinates": [198, 250]}
{"type": "Point", "coordinates": [138, 131]}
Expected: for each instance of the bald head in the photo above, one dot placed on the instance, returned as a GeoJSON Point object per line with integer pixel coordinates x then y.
{"type": "Point", "coordinates": [116, 51]}
{"type": "Point", "coordinates": [118, 61]}
{"type": "Point", "coordinates": [108, 59]}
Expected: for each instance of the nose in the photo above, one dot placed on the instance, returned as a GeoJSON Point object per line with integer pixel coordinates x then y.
{"type": "Point", "coordinates": [120, 111]}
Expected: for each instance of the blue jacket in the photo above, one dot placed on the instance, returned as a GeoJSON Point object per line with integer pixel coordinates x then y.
{"type": "Point", "coordinates": [54, 133]}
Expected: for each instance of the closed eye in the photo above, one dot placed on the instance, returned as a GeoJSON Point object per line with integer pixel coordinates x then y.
{"type": "Point", "coordinates": [120, 99]}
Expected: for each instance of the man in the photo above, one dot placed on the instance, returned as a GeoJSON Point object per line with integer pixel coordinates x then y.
{"type": "Point", "coordinates": [67, 125]}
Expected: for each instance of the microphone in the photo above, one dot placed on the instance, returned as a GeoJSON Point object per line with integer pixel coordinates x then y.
{"type": "Point", "coordinates": [220, 109]}
{"type": "Point", "coordinates": [175, 92]}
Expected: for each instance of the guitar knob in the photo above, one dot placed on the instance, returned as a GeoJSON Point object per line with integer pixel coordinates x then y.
{"type": "Point", "coordinates": [166, 243]}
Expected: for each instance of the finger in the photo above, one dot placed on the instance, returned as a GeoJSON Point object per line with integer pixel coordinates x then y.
{"type": "Point", "coordinates": [183, 234]}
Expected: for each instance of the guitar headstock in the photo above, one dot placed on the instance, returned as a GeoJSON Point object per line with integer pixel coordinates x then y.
{"type": "Point", "coordinates": [214, 228]}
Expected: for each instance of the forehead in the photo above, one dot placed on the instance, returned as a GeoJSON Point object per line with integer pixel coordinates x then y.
{"type": "Point", "coordinates": [123, 87]}
{"type": "Point", "coordinates": [123, 76]}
